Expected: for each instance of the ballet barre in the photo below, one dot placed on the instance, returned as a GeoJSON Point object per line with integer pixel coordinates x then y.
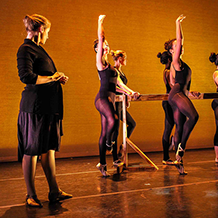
{"type": "Point", "coordinates": [148, 97]}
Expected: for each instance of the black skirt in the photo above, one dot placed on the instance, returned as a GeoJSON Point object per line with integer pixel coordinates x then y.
{"type": "Point", "coordinates": [38, 133]}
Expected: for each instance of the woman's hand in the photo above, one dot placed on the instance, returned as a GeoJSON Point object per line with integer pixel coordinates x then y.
{"type": "Point", "coordinates": [61, 77]}
{"type": "Point", "coordinates": [57, 76]}
{"type": "Point", "coordinates": [180, 18]}
{"type": "Point", "coordinates": [101, 18]}
{"type": "Point", "coordinates": [64, 79]}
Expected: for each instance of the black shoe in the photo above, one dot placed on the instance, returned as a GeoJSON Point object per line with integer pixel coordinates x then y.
{"type": "Point", "coordinates": [58, 196]}
{"type": "Point", "coordinates": [33, 201]}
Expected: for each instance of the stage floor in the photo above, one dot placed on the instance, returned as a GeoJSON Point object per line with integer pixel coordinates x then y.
{"type": "Point", "coordinates": [159, 193]}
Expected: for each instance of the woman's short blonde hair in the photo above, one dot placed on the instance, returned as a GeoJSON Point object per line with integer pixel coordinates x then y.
{"type": "Point", "coordinates": [33, 22]}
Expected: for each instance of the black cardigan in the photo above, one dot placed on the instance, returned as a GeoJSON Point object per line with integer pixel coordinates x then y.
{"type": "Point", "coordinates": [33, 60]}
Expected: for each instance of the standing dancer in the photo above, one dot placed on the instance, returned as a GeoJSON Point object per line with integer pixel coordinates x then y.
{"type": "Point", "coordinates": [41, 109]}
{"type": "Point", "coordinates": [214, 59]}
{"type": "Point", "coordinates": [119, 58]}
{"type": "Point", "coordinates": [180, 76]}
{"type": "Point", "coordinates": [166, 59]}
{"type": "Point", "coordinates": [105, 99]}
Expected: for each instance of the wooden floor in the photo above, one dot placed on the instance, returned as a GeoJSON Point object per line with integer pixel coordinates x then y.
{"type": "Point", "coordinates": [142, 193]}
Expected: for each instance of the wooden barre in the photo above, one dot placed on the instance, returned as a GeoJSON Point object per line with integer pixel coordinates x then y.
{"type": "Point", "coordinates": [164, 97]}
{"type": "Point", "coordinates": [148, 97]}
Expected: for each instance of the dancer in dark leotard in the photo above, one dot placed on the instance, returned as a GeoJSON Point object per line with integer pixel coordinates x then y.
{"type": "Point", "coordinates": [119, 58]}
{"type": "Point", "coordinates": [180, 76]}
{"type": "Point", "coordinates": [166, 58]}
{"type": "Point", "coordinates": [214, 59]}
{"type": "Point", "coordinates": [105, 99]}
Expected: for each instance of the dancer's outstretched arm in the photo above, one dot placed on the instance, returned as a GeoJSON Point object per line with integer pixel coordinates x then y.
{"type": "Point", "coordinates": [125, 89]}
{"type": "Point", "coordinates": [99, 54]}
{"type": "Point", "coordinates": [179, 42]}
{"type": "Point", "coordinates": [177, 50]}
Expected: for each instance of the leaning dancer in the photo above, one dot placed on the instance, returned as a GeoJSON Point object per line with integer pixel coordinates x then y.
{"type": "Point", "coordinates": [105, 99]}
{"type": "Point", "coordinates": [180, 76]}
{"type": "Point", "coordinates": [214, 59]}
{"type": "Point", "coordinates": [166, 59]}
{"type": "Point", "coordinates": [119, 58]}
{"type": "Point", "coordinates": [41, 109]}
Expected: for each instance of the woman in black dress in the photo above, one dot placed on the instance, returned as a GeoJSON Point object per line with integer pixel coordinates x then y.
{"type": "Point", "coordinates": [180, 77]}
{"type": "Point", "coordinates": [41, 109]}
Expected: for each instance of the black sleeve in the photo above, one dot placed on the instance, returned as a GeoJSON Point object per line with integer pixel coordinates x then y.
{"type": "Point", "coordinates": [25, 61]}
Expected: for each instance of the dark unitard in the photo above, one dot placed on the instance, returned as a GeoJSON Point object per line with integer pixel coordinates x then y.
{"type": "Point", "coordinates": [215, 108]}
{"type": "Point", "coordinates": [182, 106]}
{"type": "Point", "coordinates": [131, 124]}
{"type": "Point", "coordinates": [169, 120]}
{"type": "Point", "coordinates": [105, 104]}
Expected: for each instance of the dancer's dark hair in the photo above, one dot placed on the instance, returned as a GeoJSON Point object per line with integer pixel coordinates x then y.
{"type": "Point", "coordinates": [164, 57]}
{"type": "Point", "coordinates": [214, 58]}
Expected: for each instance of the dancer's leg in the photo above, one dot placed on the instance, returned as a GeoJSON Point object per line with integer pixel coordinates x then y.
{"type": "Point", "coordinates": [186, 107]}
{"type": "Point", "coordinates": [105, 107]}
{"type": "Point", "coordinates": [131, 124]}
{"type": "Point", "coordinates": [169, 123]}
{"type": "Point", "coordinates": [179, 120]}
{"type": "Point", "coordinates": [116, 130]}
{"type": "Point", "coordinates": [215, 108]}
{"type": "Point", "coordinates": [102, 141]}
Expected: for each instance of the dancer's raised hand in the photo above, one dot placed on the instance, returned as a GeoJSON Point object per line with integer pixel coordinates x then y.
{"type": "Point", "coordinates": [101, 18]}
{"type": "Point", "coordinates": [180, 18]}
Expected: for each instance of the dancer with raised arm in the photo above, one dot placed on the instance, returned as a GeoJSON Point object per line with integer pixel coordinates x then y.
{"type": "Point", "coordinates": [41, 109]}
{"type": "Point", "coordinates": [105, 99]}
{"type": "Point", "coordinates": [119, 58]}
{"type": "Point", "coordinates": [214, 59]}
{"type": "Point", "coordinates": [180, 77]}
{"type": "Point", "coordinates": [166, 59]}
